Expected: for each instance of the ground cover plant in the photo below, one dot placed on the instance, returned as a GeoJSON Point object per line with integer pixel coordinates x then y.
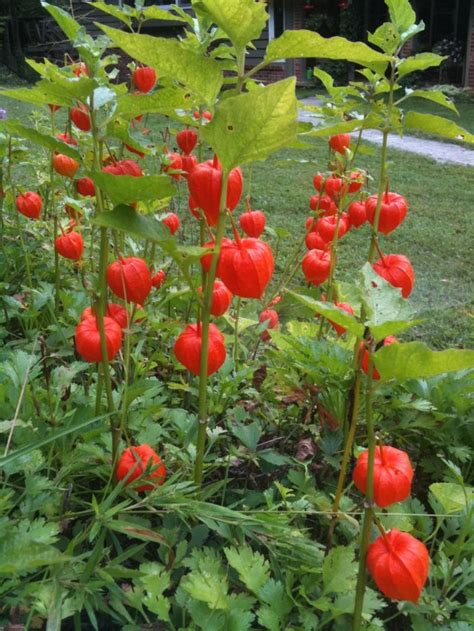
{"type": "Point", "coordinates": [210, 422]}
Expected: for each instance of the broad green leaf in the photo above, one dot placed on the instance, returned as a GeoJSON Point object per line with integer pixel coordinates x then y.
{"type": "Point", "coordinates": [418, 62]}
{"type": "Point", "coordinates": [387, 312]}
{"type": "Point", "coordinates": [65, 21]}
{"type": "Point", "coordinates": [242, 20]}
{"type": "Point", "coordinates": [155, 13]}
{"type": "Point", "coordinates": [249, 435]}
{"type": "Point", "coordinates": [251, 126]}
{"type": "Point", "coordinates": [253, 569]}
{"type": "Point", "coordinates": [386, 37]}
{"type": "Point", "coordinates": [401, 14]}
{"type": "Point", "coordinates": [330, 312]}
{"type": "Point", "coordinates": [51, 438]}
{"type": "Point", "coordinates": [163, 101]}
{"type": "Point", "coordinates": [416, 361]}
{"type": "Point", "coordinates": [340, 127]}
{"type": "Point", "coordinates": [128, 220]}
{"type": "Point", "coordinates": [451, 496]}
{"type": "Point", "coordinates": [339, 570]}
{"type": "Point", "coordinates": [325, 78]}
{"type": "Point", "coordinates": [304, 43]}
{"type": "Point", "coordinates": [172, 59]}
{"type": "Point", "coordinates": [34, 95]}
{"type": "Point", "coordinates": [126, 188]}
{"type": "Point", "coordinates": [17, 129]}
{"type": "Point", "coordinates": [431, 124]}
{"type": "Point", "coordinates": [115, 11]}
{"type": "Point", "coordinates": [433, 95]}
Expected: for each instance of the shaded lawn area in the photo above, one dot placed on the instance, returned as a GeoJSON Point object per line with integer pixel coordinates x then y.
{"type": "Point", "coordinates": [437, 235]}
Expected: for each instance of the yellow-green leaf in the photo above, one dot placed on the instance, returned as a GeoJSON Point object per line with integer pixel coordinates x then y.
{"type": "Point", "coordinates": [242, 20]}
{"type": "Point", "coordinates": [201, 75]}
{"type": "Point", "coordinates": [433, 95]}
{"type": "Point", "coordinates": [127, 189]}
{"type": "Point", "coordinates": [401, 14]}
{"type": "Point", "coordinates": [304, 43]}
{"type": "Point", "coordinates": [415, 360]}
{"type": "Point", "coordinates": [164, 101]}
{"type": "Point", "coordinates": [431, 124]}
{"type": "Point", "coordinates": [418, 62]}
{"type": "Point", "coordinates": [251, 126]}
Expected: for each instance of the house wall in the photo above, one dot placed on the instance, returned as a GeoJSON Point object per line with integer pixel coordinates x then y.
{"type": "Point", "coordinates": [294, 19]}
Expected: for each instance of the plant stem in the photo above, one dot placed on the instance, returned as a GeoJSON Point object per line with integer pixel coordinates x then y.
{"type": "Point", "coordinates": [236, 332]}
{"type": "Point", "coordinates": [26, 254]}
{"type": "Point", "coordinates": [369, 510]}
{"type": "Point", "coordinates": [205, 320]}
{"type": "Point", "coordinates": [354, 412]}
{"type": "Point", "coordinates": [101, 305]}
{"type": "Point", "coordinates": [383, 167]}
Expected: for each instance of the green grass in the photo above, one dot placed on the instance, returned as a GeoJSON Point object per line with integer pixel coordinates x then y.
{"type": "Point", "coordinates": [437, 235]}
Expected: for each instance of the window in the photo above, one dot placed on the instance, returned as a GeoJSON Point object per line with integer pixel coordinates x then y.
{"type": "Point", "coordinates": [276, 22]}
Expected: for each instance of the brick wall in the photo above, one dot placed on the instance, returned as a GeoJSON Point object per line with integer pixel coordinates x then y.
{"type": "Point", "coordinates": [271, 73]}
{"type": "Point", "coordinates": [299, 23]}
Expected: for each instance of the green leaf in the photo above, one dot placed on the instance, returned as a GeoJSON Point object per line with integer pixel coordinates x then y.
{"type": "Point", "coordinates": [386, 37]}
{"type": "Point", "coordinates": [304, 43]}
{"type": "Point", "coordinates": [136, 532]}
{"type": "Point", "coordinates": [128, 220]}
{"type": "Point", "coordinates": [418, 62]}
{"type": "Point", "coordinates": [242, 20]}
{"type": "Point", "coordinates": [387, 312]}
{"type": "Point", "coordinates": [249, 435]}
{"type": "Point", "coordinates": [65, 21]}
{"type": "Point", "coordinates": [401, 14]}
{"type": "Point", "coordinates": [251, 126]}
{"type": "Point", "coordinates": [17, 129]}
{"type": "Point", "coordinates": [451, 496]}
{"type": "Point", "coordinates": [207, 582]}
{"type": "Point", "coordinates": [432, 95]}
{"type": "Point", "coordinates": [127, 188]}
{"type": "Point", "coordinates": [253, 569]}
{"type": "Point", "coordinates": [51, 438]}
{"type": "Point", "coordinates": [414, 360]}
{"type": "Point", "coordinates": [330, 312]}
{"type": "Point", "coordinates": [431, 124]}
{"type": "Point", "coordinates": [339, 570]}
{"type": "Point", "coordinates": [116, 11]}
{"type": "Point", "coordinates": [164, 101]}
{"type": "Point", "coordinates": [172, 59]}
{"type": "Point", "coordinates": [34, 95]}
{"type": "Point", "coordinates": [338, 127]}
{"type": "Point", "coordinates": [273, 594]}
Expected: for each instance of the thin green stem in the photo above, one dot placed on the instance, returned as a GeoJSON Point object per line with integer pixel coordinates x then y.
{"type": "Point", "coordinates": [205, 320]}
{"type": "Point", "coordinates": [101, 305]}
{"type": "Point", "coordinates": [236, 332]}
{"type": "Point", "coordinates": [369, 510]}
{"type": "Point", "coordinates": [354, 413]}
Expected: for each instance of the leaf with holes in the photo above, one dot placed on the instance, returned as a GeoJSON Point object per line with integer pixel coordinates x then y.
{"type": "Point", "coordinates": [251, 126]}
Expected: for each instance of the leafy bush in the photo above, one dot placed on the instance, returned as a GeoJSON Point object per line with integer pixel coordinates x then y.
{"type": "Point", "coordinates": [204, 483]}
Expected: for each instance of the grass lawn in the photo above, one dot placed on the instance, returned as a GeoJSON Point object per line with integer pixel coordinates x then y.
{"type": "Point", "coordinates": [437, 235]}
